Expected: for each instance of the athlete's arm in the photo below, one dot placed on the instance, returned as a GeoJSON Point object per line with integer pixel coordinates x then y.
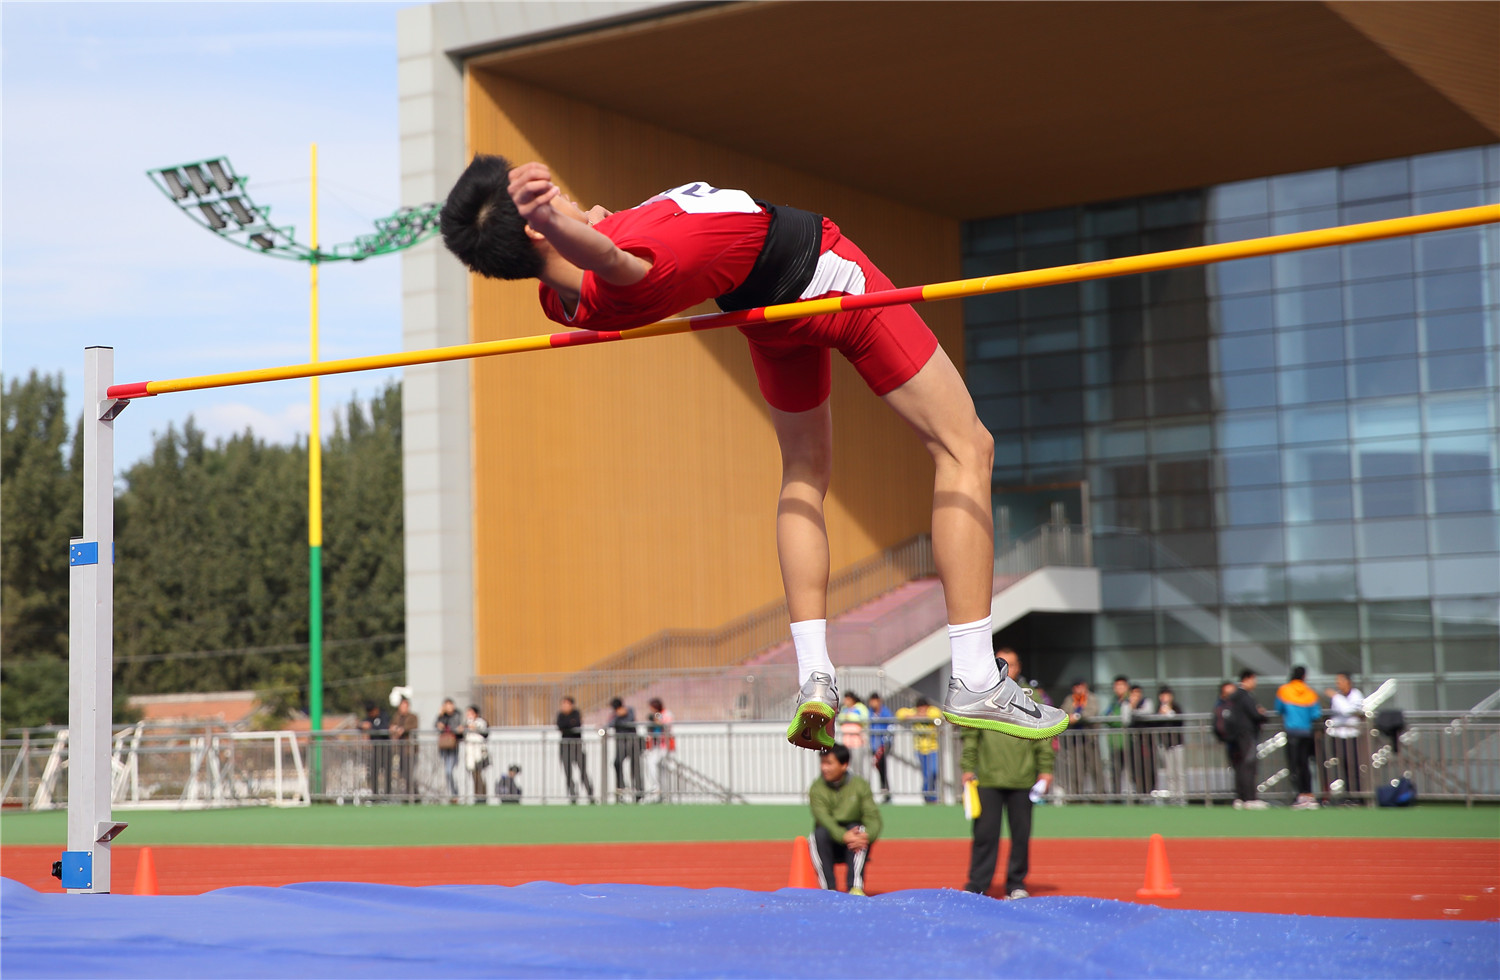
{"type": "Point", "coordinates": [561, 223]}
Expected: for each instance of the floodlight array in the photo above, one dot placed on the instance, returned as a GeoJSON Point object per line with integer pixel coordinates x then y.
{"type": "Point", "coordinates": [215, 197]}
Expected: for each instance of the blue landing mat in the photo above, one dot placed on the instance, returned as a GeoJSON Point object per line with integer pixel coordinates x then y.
{"type": "Point", "coordinates": [546, 930]}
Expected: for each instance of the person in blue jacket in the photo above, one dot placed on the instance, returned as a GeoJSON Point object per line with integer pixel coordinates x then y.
{"type": "Point", "coordinates": [1299, 709]}
{"type": "Point", "coordinates": [880, 742]}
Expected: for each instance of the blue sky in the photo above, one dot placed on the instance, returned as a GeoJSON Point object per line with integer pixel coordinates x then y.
{"type": "Point", "coordinates": [96, 94]}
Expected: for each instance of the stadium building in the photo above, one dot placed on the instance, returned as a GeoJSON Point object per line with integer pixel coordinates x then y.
{"type": "Point", "coordinates": [1277, 461]}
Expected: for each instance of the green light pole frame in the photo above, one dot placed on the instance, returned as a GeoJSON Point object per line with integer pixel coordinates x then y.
{"type": "Point", "coordinates": [215, 197]}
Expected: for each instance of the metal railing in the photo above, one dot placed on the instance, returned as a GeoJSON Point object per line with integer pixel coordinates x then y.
{"type": "Point", "coordinates": [1448, 758]}
{"type": "Point", "coordinates": [1067, 545]}
{"type": "Point", "coordinates": [532, 698]}
{"type": "Point", "coordinates": [700, 660]}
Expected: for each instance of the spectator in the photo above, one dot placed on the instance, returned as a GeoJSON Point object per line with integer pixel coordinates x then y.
{"type": "Point", "coordinates": [1006, 771]}
{"type": "Point", "coordinates": [660, 744]}
{"type": "Point", "coordinates": [1299, 709]}
{"type": "Point", "coordinates": [1222, 713]}
{"type": "Point", "coordinates": [1346, 715]}
{"type": "Point", "coordinates": [403, 731]}
{"type": "Point", "coordinates": [1140, 748]}
{"type": "Point", "coordinates": [1169, 741]}
{"type": "Point", "coordinates": [377, 728]}
{"type": "Point", "coordinates": [845, 821]}
{"type": "Point", "coordinates": [1242, 727]}
{"type": "Point", "coordinates": [570, 725]}
{"type": "Point", "coordinates": [1117, 716]}
{"type": "Point", "coordinates": [854, 722]}
{"type": "Point", "coordinates": [880, 743]}
{"type": "Point", "coordinates": [627, 748]}
{"type": "Point", "coordinates": [449, 725]}
{"type": "Point", "coordinates": [1034, 691]}
{"type": "Point", "coordinates": [1081, 752]}
{"type": "Point", "coordinates": [476, 732]}
{"type": "Point", "coordinates": [925, 743]}
{"type": "Point", "coordinates": [506, 786]}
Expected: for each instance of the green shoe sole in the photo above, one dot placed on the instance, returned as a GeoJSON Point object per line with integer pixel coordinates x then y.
{"type": "Point", "coordinates": [1033, 734]}
{"type": "Point", "coordinates": [811, 729]}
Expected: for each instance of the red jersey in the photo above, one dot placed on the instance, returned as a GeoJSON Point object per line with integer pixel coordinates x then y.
{"type": "Point", "coordinates": [701, 242]}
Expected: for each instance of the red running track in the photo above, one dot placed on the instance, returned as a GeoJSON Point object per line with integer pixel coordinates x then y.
{"type": "Point", "coordinates": [1402, 879]}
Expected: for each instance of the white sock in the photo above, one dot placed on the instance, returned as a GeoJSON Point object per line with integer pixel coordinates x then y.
{"type": "Point", "coordinates": [974, 654]}
{"type": "Point", "coordinates": [811, 639]}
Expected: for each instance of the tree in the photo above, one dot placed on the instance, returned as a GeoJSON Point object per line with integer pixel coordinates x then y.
{"type": "Point", "coordinates": [211, 545]}
{"type": "Point", "coordinates": [41, 505]}
{"type": "Point", "coordinates": [222, 530]}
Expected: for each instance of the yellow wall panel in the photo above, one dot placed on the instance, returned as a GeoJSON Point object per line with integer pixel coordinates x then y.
{"type": "Point", "coordinates": [628, 488]}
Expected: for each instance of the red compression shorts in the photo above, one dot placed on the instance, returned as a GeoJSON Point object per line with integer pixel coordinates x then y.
{"type": "Point", "coordinates": [887, 346]}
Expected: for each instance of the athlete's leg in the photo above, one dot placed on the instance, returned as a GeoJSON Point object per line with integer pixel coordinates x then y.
{"type": "Point", "coordinates": [936, 403]}
{"type": "Point", "coordinates": [806, 440]}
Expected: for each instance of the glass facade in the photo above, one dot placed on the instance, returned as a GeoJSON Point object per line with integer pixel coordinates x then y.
{"type": "Point", "coordinates": [1284, 460]}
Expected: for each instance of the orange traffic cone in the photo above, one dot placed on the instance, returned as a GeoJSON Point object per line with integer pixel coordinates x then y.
{"type": "Point", "coordinates": [145, 873]}
{"type": "Point", "coordinates": [1158, 873]}
{"type": "Point", "coordinates": [803, 875]}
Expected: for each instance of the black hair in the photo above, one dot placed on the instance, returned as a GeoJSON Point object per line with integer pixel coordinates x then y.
{"type": "Point", "coordinates": [1246, 674]}
{"type": "Point", "coordinates": [475, 708]}
{"type": "Point", "coordinates": [839, 752]}
{"type": "Point", "coordinates": [482, 226]}
{"type": "Point", "coordinates": [1121, 677]}
{"type": "Point", "coordinates": [1299, 673]}
{"type": "Point", "coordinates": [923, 703]}
{"type": "Point", "coordinates": [874, 696]}
{"type": "Point", "coordinates": [570, 699]}
{"type": "Point", "coordinates": [616, 703]}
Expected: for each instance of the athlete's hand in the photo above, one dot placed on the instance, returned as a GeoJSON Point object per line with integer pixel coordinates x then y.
{"type": "Point", "coordinates": [532, 190]}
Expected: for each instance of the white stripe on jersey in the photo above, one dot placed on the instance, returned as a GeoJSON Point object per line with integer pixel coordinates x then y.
{"type": "Point", "coordinates": [835, 274]}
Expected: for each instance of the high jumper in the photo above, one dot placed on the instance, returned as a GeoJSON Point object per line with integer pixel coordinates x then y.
{"type": "Point", "coordinates": [604, 271]}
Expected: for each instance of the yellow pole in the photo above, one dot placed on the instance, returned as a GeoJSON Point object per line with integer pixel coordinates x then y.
{"type": "Point", "coordinates": [314, 506]}
{"type": "Point", "coordinates": [1081, 272]}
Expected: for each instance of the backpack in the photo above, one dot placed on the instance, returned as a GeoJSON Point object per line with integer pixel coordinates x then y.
{"type": "Point", "coordinates": [1224, 723]}
{"type": "Point", "coordinates": [1397, 792]}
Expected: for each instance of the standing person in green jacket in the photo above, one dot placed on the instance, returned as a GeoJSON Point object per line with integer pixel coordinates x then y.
{"type": "Point", "coordinates": [845, 821]}
{"type": "Point", "coordinates": [1007, 770]}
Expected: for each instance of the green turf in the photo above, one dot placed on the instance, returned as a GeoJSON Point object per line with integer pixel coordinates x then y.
{"type": "Point", "coordinates": [337, 826]}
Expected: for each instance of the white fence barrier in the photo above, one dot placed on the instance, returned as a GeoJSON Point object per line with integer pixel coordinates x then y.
{"type": "Point", "coordinates": [1448, 758]}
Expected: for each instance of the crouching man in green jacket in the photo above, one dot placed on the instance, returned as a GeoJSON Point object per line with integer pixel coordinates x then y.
{"type": "Point", "coordinates": [1007, 769]}
{"type": "Point", "coordinates": [845, 821]}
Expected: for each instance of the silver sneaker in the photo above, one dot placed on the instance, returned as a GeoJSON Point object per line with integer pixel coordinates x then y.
{"type": "Point", "coordinates": [817, 705]}
{"type": "Point", "coordinates": [1003, 708]}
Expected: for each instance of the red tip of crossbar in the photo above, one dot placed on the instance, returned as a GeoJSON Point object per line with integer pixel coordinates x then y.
{"type": "Point", "coordinates": [135, 389]}
{"type": "Point", "coordinates": [577, 338]}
